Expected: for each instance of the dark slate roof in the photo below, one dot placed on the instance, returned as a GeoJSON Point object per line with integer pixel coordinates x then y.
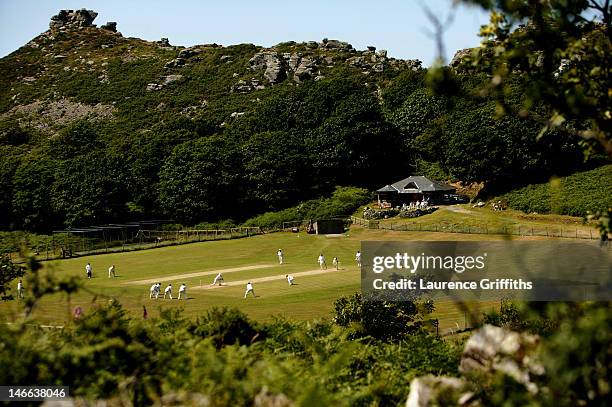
{"type": "Point", "coordinates": [423, 184]}
{"type": "Point", "coordinates": [387, 188]}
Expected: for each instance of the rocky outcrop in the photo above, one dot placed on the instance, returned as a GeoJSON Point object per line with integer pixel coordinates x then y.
{"type": "Point", "coordinates": [459, 57]}
{"type": "Point", "coordinates": [358, 62]}
{"type": "Point", "coordinates": [292, 59]}
{"type": "Point", "coordinates": [151, 87]}
{"type": "Point", "coordinates": [490, 351]}
{"type": "Point", "coordinates": [277, 66]}
{"type": "Point", "coordinates": [427, 391]}
{"type": "Point", "coordinates": [110, 26]}
{"type": "Point", "coordinates": [305, 69]}
{"type": "Point", "coordinates": [378, 68]}
{"type": "Point", "coordinates": [496, 350]}
{"type": "Point", "coordinates": [266, 398]}
{"type": "Point", "coordinates": [244, 87]}
{"type": "Point", "coordinates": [378, 61]}
{"type": "Point", "coordinates": [172, 78]}
{"type": "Point", "coordinates": [412, 64]}
{"type": "Point", "coordinates": [73, 19]}
{"type": "Point", "coordinates": [275, 70]}
{"type": "Point", "coordinates": [46, 115]}
{"type": "Point", "coordinates": [188, 53]}
{"type": "Point", "coordinates": [336, 45]}
{"type": "Point", "coordinates": [167, 80]}
{"type": "Point", "coordinates": [175, 63]}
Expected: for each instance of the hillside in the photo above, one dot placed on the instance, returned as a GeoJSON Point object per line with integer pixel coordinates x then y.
{"type": "Point", "coordinates": [81, 70]}
{"type": "Point", "coordinates": [576, 195]}
{"type": "Point", "coordinates": [96, 127]}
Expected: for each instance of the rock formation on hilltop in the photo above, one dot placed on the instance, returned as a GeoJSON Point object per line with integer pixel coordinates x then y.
{"type": "Point", "coordinates": [73, 18]}
{"type": "Point", "coordinates": [278, 66]}
{"type": "Point", "coordinates": [70, 19]}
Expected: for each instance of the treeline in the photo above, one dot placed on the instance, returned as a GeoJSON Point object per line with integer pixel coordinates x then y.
{"type": "Point", "coordinates": [297, 143]}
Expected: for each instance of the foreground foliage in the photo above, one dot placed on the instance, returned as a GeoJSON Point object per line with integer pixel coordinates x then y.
{"type": "Point", "coordinates": [224, 356]}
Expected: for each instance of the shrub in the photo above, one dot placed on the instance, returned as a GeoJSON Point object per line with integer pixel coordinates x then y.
{"type": "Point", "coordinates": [574, 195]}
{"type": "Point", "coordinates": [343, 202]}
{"type": "Point", "coordinates": [384, 320]}
{"type": "Point", "coordinates": [227, 326]}
{"type": "Point", "coordinates": [415, 213]}
{"type": "Point", "coordinates": [372, 214]}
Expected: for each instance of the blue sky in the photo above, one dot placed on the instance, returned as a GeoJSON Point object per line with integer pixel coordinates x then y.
{"type": "Point", "coordinates": [397, 26]}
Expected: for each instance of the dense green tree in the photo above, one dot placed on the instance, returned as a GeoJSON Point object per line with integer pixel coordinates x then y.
{"type": "Point", "coordinates": [275, 171]}
{"type": "Point", "coordinates": [145, 155]}
{"type": "Point", "coordinates": [8, 273]}
{"type": "Point", "coordinates": [200, 180]}
{"type": "Point", "coordinates": [354, 145]}
{"type": "Point", "coordinates": [227, 326]}
{"type": "Point", "coordinates": [77, 138]}
{"type": "Point", "coordinates": [31, 200]}
{"type": "Point", "coordinates": [401, 87]}
{"type": "Point", "coordinates": [417, 113]}
{"type": "Point", "coordinates": [9, 162]}
{"type": "Point", "coordinates": [90, 189]}
{"type": "Point", "coordinates": [13, 134]}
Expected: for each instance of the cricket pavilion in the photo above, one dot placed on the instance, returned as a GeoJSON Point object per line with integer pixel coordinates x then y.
{"type": "Point", "coordinates": [413, 189]}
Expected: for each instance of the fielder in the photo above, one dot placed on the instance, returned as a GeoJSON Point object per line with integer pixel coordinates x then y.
{"type": "Point", "coordinates": [218, 279]}
{"type": "Point", "coordinates": [322, 262]}
{"type": "Point", "coordinates": [358, 258]}
{"type": "Point", "coordinates": [88, 270]}
{"type": "Point", "coordinates": [289, 279]}
{"type": "Point", "coordinates": [182, 291]}
{"type": "Point", "coordinates": [20, 289]}
{"type": "Point", "coordinates": [111, 270]}
{"type": "Point", "coordinates": [249, 289]}
{"type": "Point", "coordinates": [168, 291]}
{"type": "Point", "coordinates": [154, 291]}
{"type": "Point", "coordinates": [279, 253]}
{"type": "Point", "coordinates": [335, 262]}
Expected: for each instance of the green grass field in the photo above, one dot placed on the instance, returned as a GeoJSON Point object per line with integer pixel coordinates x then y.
{"type": "Point", "coordinates": [312, 297]}
{"type": "Point", "coordinates": [480, 220]}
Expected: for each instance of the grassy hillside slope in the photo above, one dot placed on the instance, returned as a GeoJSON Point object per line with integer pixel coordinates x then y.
{"type": "Point", "coordinates": [574, 195]}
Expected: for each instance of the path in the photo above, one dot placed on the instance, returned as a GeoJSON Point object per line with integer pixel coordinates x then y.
{"type": "Point", "coordinates": [459, 209]}
{"type": "Point", "coordinates": [268, 278]}
{"type": "Point", "coordinates": [198, 274]}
